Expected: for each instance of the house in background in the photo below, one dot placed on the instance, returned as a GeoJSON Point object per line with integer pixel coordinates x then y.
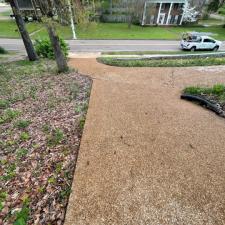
{"type": "Point", "coordinates": [29, 8]}
{"type": "Point", "coordinates": [147, 12]}
{"type": "Point", "coordinates": [163, 12]}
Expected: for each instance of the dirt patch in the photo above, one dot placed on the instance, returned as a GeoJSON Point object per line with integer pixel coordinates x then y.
{"type": "Point", "coordinates": [41, 121]}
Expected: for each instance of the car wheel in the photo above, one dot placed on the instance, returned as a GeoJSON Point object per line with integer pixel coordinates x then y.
{"type": "Point", "coordinates": [215, 49]}
{"type": "Point", "coordinates": [193, 49]}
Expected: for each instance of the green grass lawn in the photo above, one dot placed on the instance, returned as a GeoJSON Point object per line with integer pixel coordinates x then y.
{"type": "Point", "coordinates": [63, 31]}
{"type": "Point", "coordinates": [121, 31]}
{"type": "Point", "coordinates": [10, 30]}
{"type": "Point", "coordinates": [112, 31]}
{"type": "Point", "coordinates": [211, 22]}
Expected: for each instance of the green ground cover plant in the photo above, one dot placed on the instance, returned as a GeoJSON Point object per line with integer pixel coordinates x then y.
{"type": "Point", "coordinates": [162, 63]}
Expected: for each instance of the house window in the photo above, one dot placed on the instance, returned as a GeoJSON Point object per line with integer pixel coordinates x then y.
{"type": "Point", "coordinates": [163, 7]}
{"type": "Point", "coordinates": [176, 19]}
{"type": "Point", "coordinates": [176, 6]}
{"type": "Point", "coordinates": [172, 19]}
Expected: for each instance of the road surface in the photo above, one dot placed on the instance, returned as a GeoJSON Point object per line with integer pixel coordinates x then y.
{"type": "Point", "coordinates": [106, 45]}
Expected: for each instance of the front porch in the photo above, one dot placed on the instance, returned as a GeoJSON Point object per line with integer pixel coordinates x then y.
{"type": "Point", "coordinates": [168, 12]}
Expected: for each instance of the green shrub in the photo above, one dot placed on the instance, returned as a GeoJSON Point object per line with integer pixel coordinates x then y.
{"type": "Point", "coordinates": [222, 10]}
{"type": "Point", "coordinates": [213, 6]}
{"type": "Point", "coordinates": [44, 48]}
{"type": "Point", "coordinates": [2, 50]}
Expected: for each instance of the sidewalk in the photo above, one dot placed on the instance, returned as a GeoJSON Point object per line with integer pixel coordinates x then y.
{"type": "Point", "coordinates": [146, 156]}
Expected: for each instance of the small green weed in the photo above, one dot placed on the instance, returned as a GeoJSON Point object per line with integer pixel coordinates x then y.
{"type": "Point", "coordinates": [52, 180]}
{"type": "Point", "coordinates": [56, 137]}
{"type": "Point", "coordinates": [73, 90]}
{"type": "Point", "coordinates": [3, 196]}
{"type": "Point", "coordinates": [10, 172]}
{"type": "Point", "coordinates": [82, 122]}
{"type": "Point", "coordinates": [78, 109]}
{"type": "Point", "coordinates": [24, 136]}
{"type": "Point", "coordinates": [23, 215]}
{"type": "Point", "coordinates": [85, 107]}
{"type": "Point", "coordinates": [8, 115]}
{"type": "Point", "coordinates": [20, 153]}
{"type": "Point", "coordinates": [46, 128]}
{"type": "Point", "coordinates": [65, 193]}
{"type": "Point", "coordinates": [58, 168]}
{"type": "Point", "coordinates": [41, 189]}
{"type": "Point", "coordinates": [33, 92]}
{"type": "Point", "coordinates": [22, 124]}
{"type": "Point", "coordinates": [4, 104]}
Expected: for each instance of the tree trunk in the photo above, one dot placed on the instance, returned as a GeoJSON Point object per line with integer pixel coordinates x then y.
{"type": "Point", "coordinates": [59, 56]}
{"type": "Point", "coordinates": [24, 34]}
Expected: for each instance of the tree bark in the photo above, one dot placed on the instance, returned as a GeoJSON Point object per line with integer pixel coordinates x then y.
{"type": "Point", "coordinates": [24, 34]}
{"type": "Point", "coordinates": [59, 56]}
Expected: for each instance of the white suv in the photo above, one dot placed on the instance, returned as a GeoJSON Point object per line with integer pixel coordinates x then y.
{"type": "Point", "coordinates": [195, 42]}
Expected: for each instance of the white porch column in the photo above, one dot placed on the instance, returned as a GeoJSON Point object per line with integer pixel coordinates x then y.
{"type": "Point", "coordinates": [184, 10]}
{"type": "Point", "coordinates": [160, 7]}
{"type": "Point", "coordinates": [144, 15]}
{"type": "Point", "coordinates": [168, 17]}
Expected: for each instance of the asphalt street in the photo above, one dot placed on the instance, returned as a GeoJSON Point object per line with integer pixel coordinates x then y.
{"type": "Point", "coordinates": [106, 45]}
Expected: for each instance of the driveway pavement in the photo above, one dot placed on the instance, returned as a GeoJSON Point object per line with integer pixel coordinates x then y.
{"type": "Point", "coordinates": [147, 157]}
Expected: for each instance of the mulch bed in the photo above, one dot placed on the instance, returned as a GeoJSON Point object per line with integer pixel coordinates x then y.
{"type": "Point", "coordinates": [39, 146]}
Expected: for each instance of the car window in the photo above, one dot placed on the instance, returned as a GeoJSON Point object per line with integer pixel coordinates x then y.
{"type": "Point", "coordinates": [209, 40]}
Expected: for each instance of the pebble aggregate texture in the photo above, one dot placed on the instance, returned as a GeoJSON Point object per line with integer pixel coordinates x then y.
{"type": "Point", "coordinates": [146, 156]}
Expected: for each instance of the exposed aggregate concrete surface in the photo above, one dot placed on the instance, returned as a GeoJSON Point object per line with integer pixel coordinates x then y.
{"type": "Point", "coordinates": [147, 157]}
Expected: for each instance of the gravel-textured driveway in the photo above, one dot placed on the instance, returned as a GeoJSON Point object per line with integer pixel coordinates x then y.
{"type": "Point", "coordinates": [147, 157]}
